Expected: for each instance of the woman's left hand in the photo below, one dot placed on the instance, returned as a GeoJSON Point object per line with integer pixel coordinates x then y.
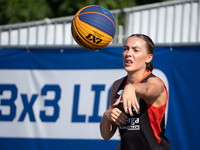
{"type": "Point", "coordinates": [129, 99]}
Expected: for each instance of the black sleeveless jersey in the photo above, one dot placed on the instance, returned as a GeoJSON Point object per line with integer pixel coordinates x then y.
{"type": "Point", "coordinates": [144, 131]}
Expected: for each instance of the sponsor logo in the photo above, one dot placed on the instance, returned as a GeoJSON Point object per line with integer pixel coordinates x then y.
{"type": "Point", "coordinates": [93, 38]}
{"type": "Point", "coordinates": [120, 92]}
{"type": "Point", "coordinates": [133, 124]}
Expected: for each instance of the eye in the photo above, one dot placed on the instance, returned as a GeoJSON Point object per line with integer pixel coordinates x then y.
{"type": "Point", "coordinates": [125, 48]}
{"type": "Point", "coordinates": [135, 49]}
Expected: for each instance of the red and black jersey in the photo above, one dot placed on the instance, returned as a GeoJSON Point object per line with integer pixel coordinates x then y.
{"type": "Point", "coordinates": [144, 131]}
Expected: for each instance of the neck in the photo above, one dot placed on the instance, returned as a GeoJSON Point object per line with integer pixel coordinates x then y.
{"type": "Point", "coordinates": [134, 77]}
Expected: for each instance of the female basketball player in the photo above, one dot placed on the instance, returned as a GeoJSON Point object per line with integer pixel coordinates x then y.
{"type": "Point", "coordinates": [137, 101]}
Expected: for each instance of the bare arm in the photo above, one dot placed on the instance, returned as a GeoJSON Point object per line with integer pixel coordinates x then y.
{"type": "Point", "coordinates": [112, 117]}
{"type": "Point", "coordinates": [149, 91]}
{"type": "Point", "coordinates": [107, 128]}
{"type": "Point", "coordinates": [152, 91]}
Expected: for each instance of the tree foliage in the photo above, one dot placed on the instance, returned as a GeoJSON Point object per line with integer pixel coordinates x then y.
{"type": "Point", "coordinates": [16, 11]}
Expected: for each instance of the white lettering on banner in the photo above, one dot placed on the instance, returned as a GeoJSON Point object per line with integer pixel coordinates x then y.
{"type": "Point", "coordinates": [54, 103]}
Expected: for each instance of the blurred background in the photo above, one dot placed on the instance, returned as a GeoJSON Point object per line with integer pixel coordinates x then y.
{"type": "Point", "coordinates": [17, 11]}
{"type": "Point", "coordinates": [48, 22]}
{"type": "Point", "coordinates": [53, 93]}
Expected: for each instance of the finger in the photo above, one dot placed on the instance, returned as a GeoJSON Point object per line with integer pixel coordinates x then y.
{"type": "Point", "coordinates": [136, 110]}
{"type": "Point", "coordinates": [121, 121]}
{"type": "Point", "coordinates": [125, 106]}
{"type": "Point", "coordinates": [117, 123]}
{"type": "Point", "coordinates": [123, 118]}
{"type": "Point", "coordinates": [136, 106]}
{"type": "Point", "coordinates": [130, 109]}
{"type": "Point", "coordinates": [117, 120]}
{"type": "Point", "coordinates": [120, 117]}
{"type": "Point", "coordinates": [117, 102]}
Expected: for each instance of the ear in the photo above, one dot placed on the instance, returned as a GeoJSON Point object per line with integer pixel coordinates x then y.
{"type": "Point", "coordinates": [149, 58]}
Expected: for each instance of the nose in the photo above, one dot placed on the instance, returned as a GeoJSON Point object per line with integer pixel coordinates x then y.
{"type": "Point", "coordinates": [128, 53]}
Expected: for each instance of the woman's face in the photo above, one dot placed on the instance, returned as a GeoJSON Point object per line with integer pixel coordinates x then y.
{"type": "Point", "coordinates": [135, 56]}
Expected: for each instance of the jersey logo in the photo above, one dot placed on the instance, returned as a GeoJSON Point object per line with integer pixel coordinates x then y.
{"type": "Point", "coordinates": [120, 92]}
{"type": "Point", "coordinates": [133, 124]}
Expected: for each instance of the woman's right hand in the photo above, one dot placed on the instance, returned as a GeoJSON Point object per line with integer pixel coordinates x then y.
{"type": "Point", "coordinates": [117, 116]}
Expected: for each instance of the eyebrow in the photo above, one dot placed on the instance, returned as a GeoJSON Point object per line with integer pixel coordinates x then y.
{"type": "Point", "coordinates": [132, 47]}
{"type": "Point", "coordinates": [136, 47]}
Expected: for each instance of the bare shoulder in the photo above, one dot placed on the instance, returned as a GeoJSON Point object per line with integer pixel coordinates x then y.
{"type": "Point", "coordinates": [157, 82]}
{"type": "Point", "coordinates": [117, 83]}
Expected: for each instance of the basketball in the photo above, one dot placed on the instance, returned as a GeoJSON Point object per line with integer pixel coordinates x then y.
{"type": "Point", "coordinates": [93, 27]}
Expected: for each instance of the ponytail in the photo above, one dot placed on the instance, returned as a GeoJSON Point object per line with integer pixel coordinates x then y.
{"type": "Point", "coordinates": [149, 66]}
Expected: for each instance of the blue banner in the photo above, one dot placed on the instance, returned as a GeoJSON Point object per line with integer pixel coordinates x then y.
{"type": "Point", "coordinates": [55, 98]}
